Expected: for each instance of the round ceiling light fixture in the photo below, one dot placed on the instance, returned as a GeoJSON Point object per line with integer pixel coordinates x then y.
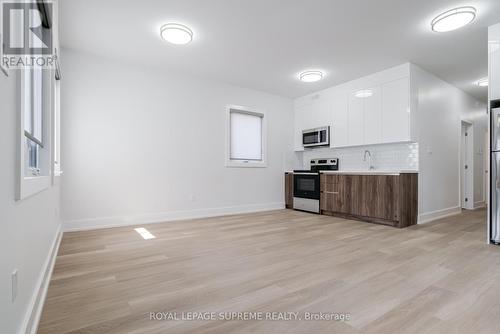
{"type": "Point", "coordinates": [364, 93]}
{"type": "Point", "coordinates": [453, 19]}
{"type": "Point", "coordinates": [482, 82]}
{"type": "Point", "coordinates": [311, 76]}
{"type": "Point", "coordinates": [176, 33]}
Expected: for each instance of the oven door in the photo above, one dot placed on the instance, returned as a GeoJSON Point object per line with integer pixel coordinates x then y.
{"type": "Point", "coordinates": [311, 138]}
{"type": "Point", "coordinates": [306, 185]}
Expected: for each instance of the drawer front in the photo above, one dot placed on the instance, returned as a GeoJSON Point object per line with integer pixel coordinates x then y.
{"type": "Point", "coordinates": [329, 201]}
{"type": "Point", "coordinates": [329, 187]}
{"type": "Point", "coordinates": [327, 178]}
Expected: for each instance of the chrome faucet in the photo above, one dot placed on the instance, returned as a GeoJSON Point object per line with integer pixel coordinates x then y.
{"type": "Point", "coordinates": [370, 163]}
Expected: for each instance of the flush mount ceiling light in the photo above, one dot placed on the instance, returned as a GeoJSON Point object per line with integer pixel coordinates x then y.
{"type": "Point", "coordinates": [176, 33]}
{"type": "Point", "coordinates": [363, 93]}
{"type": "Point", "coordinates": [453, 19]}
{"type": "Point", "coordinates": [482, 82]}
{"type": "Point", "coordinates": [311, 76]}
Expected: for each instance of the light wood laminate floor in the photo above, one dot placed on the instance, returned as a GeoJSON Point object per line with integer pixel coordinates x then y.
{"type": "Point", "coordinates": [435, 278]}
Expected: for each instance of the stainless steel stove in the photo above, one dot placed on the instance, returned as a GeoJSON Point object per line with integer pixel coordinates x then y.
{"type": "Point", "coordinates": [306, 184]}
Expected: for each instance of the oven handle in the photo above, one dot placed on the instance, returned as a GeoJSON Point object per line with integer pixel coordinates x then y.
{"type": "Point", "coordinates": [305, 174]}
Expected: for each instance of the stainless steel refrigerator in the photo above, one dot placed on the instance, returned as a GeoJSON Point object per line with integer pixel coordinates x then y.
{"type": "Point", "coordinates": [495, 175]}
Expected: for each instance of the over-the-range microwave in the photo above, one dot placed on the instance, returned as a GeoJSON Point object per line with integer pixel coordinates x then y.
{"type": "Point", "coordinates": [316, 137]}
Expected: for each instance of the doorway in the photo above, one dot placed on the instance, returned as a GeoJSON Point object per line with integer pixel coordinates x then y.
{"type": "Point", "coordinates": [467, 166]}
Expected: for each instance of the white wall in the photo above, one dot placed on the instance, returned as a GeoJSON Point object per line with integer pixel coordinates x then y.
{"type": "Point", "coordinates": [142, 145]}
{"type": "Point", "coordinates": [29, 227]}
{"type": "Point", "coordinates": [440, 109]}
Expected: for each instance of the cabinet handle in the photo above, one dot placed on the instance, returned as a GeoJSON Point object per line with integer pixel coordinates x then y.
{"type": "Point", "coordinates": [331, 192]}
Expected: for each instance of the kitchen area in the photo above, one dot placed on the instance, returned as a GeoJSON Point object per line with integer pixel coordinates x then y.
{"type": "Point", "coordinates": [358, 145]}
{"type": "Point", "coordinates": [375, 196]}
{"type": "Point", "coordinates": [385, 148]}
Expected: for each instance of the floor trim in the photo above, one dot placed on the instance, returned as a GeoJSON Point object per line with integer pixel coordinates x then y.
{"type": "Point", "coordinates": [438, 214]}
{"type": "Point", "coordinates": [32, 317]}
{"type": "Point", "coordinates": [151, 218]}
{"type": "Point", "coordinates": [479, 205]}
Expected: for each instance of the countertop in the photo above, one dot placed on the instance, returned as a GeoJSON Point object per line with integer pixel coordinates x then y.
{"type": "Point", "coordinates": [366, 172]}
{"type": "Point", "coordinates": [369, 172]}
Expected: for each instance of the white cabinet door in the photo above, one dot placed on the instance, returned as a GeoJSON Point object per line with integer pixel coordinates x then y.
{"type": "Point", "coordinates": [373, 116]}
{"type": "Point", "coordinates": [299, 124]}
{"type": "Point", "coordinates": [355, 120]}
{"type": "Point", "coordinates": [494, 68]}
{"type": "Point", "coordinates": [396, 111]}
{"type": "Point", "coordinates": [339, 128]}
{"type": "Point", "coordinates": [321, 112]}
{"type": "Point", "coordinates": [312, 115]}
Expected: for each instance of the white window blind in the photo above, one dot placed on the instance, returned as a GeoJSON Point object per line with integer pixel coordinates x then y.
{"type": "Point", "coordinates": [33, 114]}
{"type": "Point", "coordinates": [245, 135]}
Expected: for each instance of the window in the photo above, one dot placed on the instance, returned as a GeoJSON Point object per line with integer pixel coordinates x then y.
{"type": "Point", "coordinates": [57, 128]}
{"type": "Point", "coordinates": [33, 120]}
{"type": "Point", "coordinates": [35, 127]}
{"type": "Point", "coordinates": [246, 144]}
{"type": "Point", "coordinates": [35, 150]}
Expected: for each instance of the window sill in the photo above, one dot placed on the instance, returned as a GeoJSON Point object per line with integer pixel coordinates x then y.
{"type": "Point", "coordinates": [32, 185]}
{"type": "Point", "coordinates": [246, 164]}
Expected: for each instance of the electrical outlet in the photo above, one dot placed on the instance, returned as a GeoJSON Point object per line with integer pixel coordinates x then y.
{"type": "Point", "coordinates": [14, 285]}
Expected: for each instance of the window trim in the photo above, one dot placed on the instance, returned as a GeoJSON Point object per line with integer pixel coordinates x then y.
{"type": "Point", "coordinates": [30, 185]}
{"type": "Point", "coordinates": [56, 132]}
{"type": "Point", "coordinates": [246, 163]}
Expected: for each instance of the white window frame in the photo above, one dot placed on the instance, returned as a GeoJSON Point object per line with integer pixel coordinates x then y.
{"type": "Point", "coordinates": [246, 163]}
{"type": "Point", "coordinates": [56, 133]}
{"type": "Point", "coordinates": [31, 185]}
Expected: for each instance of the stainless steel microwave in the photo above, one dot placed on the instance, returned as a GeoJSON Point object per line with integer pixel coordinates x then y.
{"type": "Point", "coordinates": [316, 137]}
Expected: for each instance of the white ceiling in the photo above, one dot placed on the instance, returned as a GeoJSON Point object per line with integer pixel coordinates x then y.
{"type": "Point", "coordinates": [263, 44]}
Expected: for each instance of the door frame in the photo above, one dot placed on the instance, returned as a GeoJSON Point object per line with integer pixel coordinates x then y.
{"type": "Point", "coordinates": [486, 168]}
{"type": "Point", "coordinates": [466, 158]}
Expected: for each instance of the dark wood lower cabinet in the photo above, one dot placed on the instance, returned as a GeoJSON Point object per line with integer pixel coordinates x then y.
{"type": "Point", "coordinates": [289, 190]}
{"type": "Point", "coordinates": [383, 199]}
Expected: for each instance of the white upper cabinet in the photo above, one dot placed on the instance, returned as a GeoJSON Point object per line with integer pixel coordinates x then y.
{"type": "Point", "coordinates": [494, 61]}
{"type": "Point", "coordinates": [381, 116]}
{"type": "Point", "coordinates": [373, 117]}
{"type": "Point", "coordinates": [396, 111]}
{"type": "Point", "coordinates": [355, 118]}
{"type": "Point", "coordinates": [339, 134]}
{"type": "Point", "coordinates": [312, 112]}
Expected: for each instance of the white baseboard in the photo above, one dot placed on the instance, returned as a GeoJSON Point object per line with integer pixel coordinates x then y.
{"type": "Point", "coordinates": [479, 205]}
{"type": "Point", "coordinates": [32, 317]}
{"type": "Point", "coordinates": [438, 214]}
{"type": "Point", "coordinates": [150, 218]}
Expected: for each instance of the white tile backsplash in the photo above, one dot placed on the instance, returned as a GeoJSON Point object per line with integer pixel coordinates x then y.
{"type": "Point", "coordinates": [400, 156]}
